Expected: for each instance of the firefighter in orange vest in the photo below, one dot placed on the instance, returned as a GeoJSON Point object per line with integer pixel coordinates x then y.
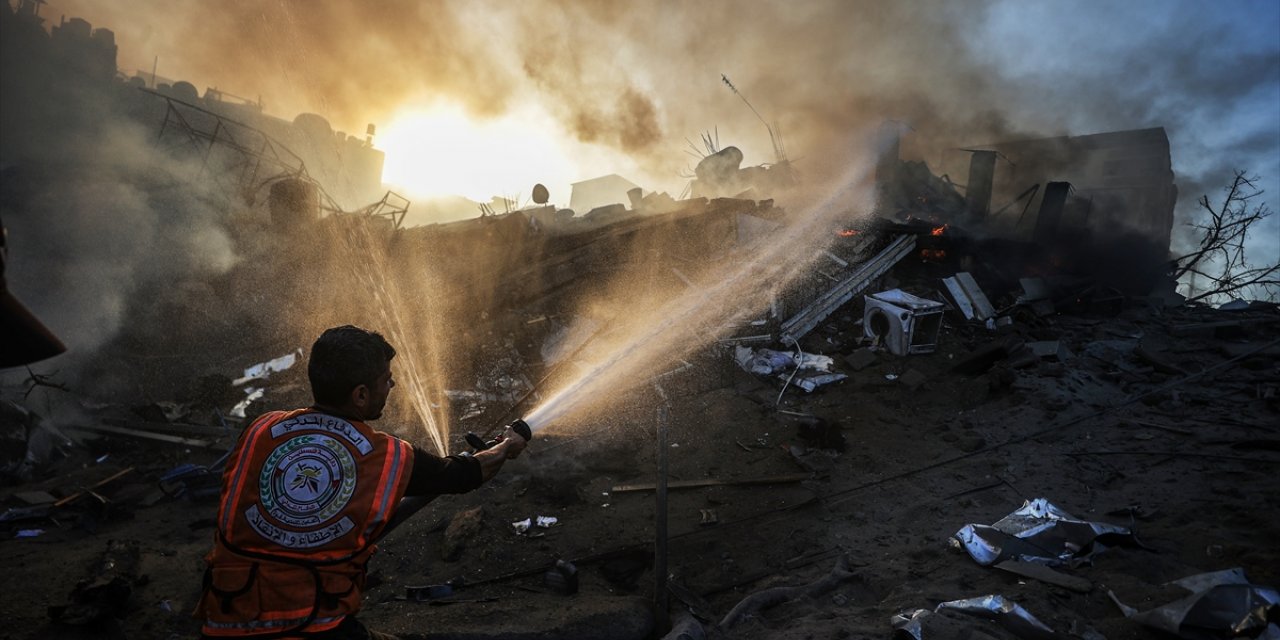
{"type": "Point", "coordinates": [306, 493]}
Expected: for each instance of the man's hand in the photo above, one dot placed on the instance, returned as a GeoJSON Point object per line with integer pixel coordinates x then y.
{"type": "Point", "coordinates": [509, 446]}
{"type": "Point", "coordinates": [513, 443]}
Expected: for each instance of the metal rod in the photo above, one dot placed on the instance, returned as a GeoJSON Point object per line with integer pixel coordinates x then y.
{"type": "Point", "coordinates": [660, 524]}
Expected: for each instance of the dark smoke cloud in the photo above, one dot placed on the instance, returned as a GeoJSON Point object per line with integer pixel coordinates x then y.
{"type": "Point", "coordinates": [638, 77]}
{"type": "Point", "coordinates": [91, 230]}
{"type": "Point", "coordinates": [97, 213]}
{"type": "Point", "coordinates": [641, 77]}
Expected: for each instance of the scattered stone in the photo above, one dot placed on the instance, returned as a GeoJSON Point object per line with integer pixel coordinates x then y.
{"type": "Point", "coordinates": [1056, 402]}
{"type": "Point", "coordinates": [1000, 379]}
{"type": "Point", "coordinates": [913, 379]}
{"type": "Point", "coordinates": [34, 497]}
{"type": "Point", "coordinates": [1022, 357]}
{"type": "Point", "coordinates": [975, 392]}
{"type": "Point", "coordinates": [462, 527]}
{"type": "Point", "coordinates": [985, 356]}
{"type": "Point", "coordinates": [822, 434]}
{"type": "Point", "coordinates": [1049, 350]}
{"type": "Point", "coordinates": [860, 359]}
{"type": "Point", "coordinates": [971, 442]}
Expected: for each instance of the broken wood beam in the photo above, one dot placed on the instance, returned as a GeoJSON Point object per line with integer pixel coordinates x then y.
{"type": "Point", "coordinates": [693, 484]}
{"type": "Point", "coordinates": [97, 485]}
{"type": "Point", "coordinates": [145, 435]}
{"type": "Point", "coordinates": [176, 428]}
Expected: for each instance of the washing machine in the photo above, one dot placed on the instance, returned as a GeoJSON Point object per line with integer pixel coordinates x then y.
{"type": "Point", "coordinates": [902, 323]}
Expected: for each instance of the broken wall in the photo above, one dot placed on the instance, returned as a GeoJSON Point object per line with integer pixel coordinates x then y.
{"type": "Point", "coordinates": [1126, 176]}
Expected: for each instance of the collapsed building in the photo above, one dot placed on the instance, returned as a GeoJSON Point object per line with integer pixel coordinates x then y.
{"type": "Point", "coordinates": [73, 62]}
{"type": "Point", "coordinates": [951, 331]}
{"type": "Point", "coordinates": [1063, 211]}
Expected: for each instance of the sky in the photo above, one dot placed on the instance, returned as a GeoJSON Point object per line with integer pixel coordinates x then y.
{"type": "Point", "coordinates": [486, 98]}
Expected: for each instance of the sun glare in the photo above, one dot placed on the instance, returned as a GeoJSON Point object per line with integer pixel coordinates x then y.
{"type": "Point", "coordinates": [442, 151]}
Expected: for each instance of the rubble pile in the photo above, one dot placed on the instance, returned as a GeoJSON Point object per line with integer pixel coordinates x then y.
{"type": "Point", "coordinates": [932, 365]}
{"type": "Point", "coordinates": [927, 399]}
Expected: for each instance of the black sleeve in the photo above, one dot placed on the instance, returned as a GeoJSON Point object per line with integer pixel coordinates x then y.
{"type": "Point", "coordinates": [434, 475]}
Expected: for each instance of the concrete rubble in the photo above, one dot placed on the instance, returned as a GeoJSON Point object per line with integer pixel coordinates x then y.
{"type": "Point", "coordinates": [953, 362]}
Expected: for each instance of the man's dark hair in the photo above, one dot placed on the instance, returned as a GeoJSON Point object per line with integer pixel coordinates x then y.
{"type": "Point", "coordinates": [344, 358]}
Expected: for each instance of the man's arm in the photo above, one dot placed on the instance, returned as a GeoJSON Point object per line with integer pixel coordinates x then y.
{"type": "Point", "coordinates": [433, 475]}
{"type": "Point", "coordinates": [459, 474]}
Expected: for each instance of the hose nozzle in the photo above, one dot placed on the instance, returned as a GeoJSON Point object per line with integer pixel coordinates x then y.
{"type": "Point", "coordinates": [519, 426]}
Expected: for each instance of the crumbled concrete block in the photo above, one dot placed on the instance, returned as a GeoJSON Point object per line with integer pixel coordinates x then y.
{"type": "Point", "coordinates": [462, 527]}
{"type": "Point", "coordinates": [861, 359]}
{"type": "Point", "coordinates": [913, 379]}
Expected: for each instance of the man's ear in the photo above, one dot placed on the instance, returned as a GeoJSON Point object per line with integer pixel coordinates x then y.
{"type": "Point", "coordinates": [360, 396]}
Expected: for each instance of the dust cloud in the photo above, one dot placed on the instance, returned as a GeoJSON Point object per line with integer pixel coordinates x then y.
{"type": "Point", "coordinates": [635, 78]}
{"type": "Point", "coordinates": [641, 78]}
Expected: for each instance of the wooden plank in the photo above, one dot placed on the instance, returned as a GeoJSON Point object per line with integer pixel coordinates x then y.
{"type": "Point", "coordinates": [693, 484]}
{"type": "Point", "coordinates": [176, 428]}
{"type": "Point", "coordinates": [145, 435]}
{"type": "Point", "coordinates": [98, 485]}
{"type": "Point", "coordinates": [1045, 574]}
{"type": "Point", "coordinates": [981, 305]}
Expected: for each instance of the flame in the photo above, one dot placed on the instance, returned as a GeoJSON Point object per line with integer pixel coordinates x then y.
{"type": "Point", "coordinates": [847, 233]}
{"type": "Point", "coordinates": [937, 231]}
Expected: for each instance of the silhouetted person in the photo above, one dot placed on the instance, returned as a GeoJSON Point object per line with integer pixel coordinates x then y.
{"type": "Point", "coordinates": [307, 493]}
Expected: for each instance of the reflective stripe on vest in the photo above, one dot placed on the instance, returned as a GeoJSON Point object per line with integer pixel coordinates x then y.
{"type": "Point", "coordinates": [266, 626]}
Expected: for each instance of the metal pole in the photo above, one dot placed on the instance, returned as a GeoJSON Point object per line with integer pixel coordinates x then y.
{"type": "Point", "coordinates": [660, 524]}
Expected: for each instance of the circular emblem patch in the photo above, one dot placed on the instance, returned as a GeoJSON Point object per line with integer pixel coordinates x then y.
{"type": "Point", "coordinates": [307, 480]}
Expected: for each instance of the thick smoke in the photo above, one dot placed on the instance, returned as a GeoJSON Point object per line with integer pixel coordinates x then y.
{"type": "Point", "coordinates": [98, 213]}
{"type": "Point", "coordinates": [104, 224]}
{"type": "Point", "coordinates": [639, 78]}
{"type": "Point", "coordinates": [642, 77]}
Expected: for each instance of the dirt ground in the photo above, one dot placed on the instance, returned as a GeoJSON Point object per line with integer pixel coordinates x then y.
{"type": "Point", "coordinates": [1153, 420]}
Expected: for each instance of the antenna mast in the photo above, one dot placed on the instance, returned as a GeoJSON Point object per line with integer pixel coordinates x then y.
{"type": "Point", "coordinates": [779, 154]}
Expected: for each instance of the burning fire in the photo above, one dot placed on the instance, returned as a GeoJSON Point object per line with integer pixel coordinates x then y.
{"type": "Point", "coordinates": [937, 231]}
{"type": "Point", "coordinates": [847, 233]}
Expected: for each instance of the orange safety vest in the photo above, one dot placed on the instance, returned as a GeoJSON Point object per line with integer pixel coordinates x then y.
{"type": "Point", "coordinates": [304, 497]}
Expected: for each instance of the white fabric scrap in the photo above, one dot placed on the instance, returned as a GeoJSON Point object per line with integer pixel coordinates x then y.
{"type": "Point", "coordinates": [251, 394]}
{"type": "Point", "coordinates": [263, 370]}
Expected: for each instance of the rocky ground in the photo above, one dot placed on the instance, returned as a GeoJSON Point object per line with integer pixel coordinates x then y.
{"type": "Point", "coordinates": [1162, 421]}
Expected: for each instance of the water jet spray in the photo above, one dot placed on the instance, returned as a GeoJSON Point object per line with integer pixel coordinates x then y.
{"type": "Point", "coordinates": [727, 298]}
